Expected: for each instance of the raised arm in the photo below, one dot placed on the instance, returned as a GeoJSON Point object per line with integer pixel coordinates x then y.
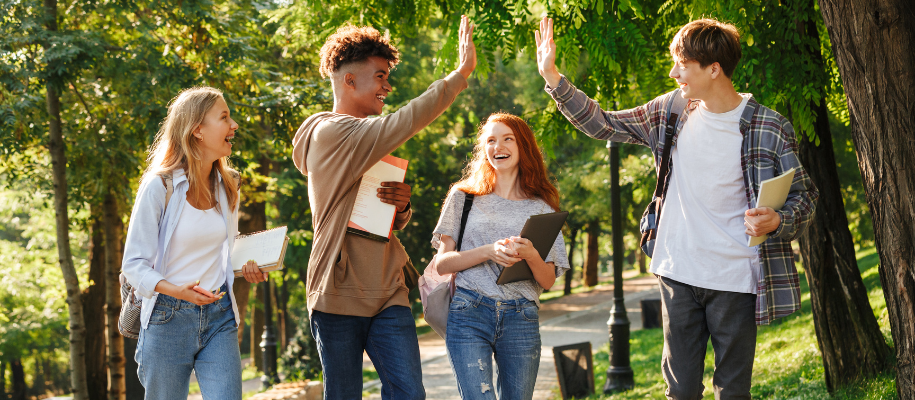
{"type": "Point", "coordinates": [629, 126]}
{"type": "Point", "coordinates": [378, 137]}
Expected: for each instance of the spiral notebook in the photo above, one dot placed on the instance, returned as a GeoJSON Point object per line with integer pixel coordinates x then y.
{"type": "Point", "coordinates": [267, 248]}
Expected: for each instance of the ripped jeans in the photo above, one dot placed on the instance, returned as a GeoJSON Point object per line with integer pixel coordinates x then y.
{"type": "Point", "coordinates": [478, 329]}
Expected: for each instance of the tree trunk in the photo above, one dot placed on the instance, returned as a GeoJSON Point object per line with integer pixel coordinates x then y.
{"type": "Point", "coordinates": [640, 259]}
{"type": "Point", "coordinates": [282, 317]}
{"type": "Point", "coordinates": [59, 173]}
{"type": "Point", "coordinates": [114, 252]}
{"type": "Point", "coordinates": [872, 41]}
{"type": "Point", "coordinates": [93, 301]}
{"type": "Point", "coordinates": [567, 289]}
{"type": "Point", "coordinates": [2, 379]}
{"type": "Point", "coordinates": [18, 380]}
{"type": "Point", "coordinates": [593, 255]}
{"type": "Point", "coordinates": [837, 292]}
{"type": "Point", "coordinates": [257, 328]}
{"type": "Point", "coordinates": [252, 217]}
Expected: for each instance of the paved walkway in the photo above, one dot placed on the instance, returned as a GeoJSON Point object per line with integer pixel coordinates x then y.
{"type": "Point", "coordinates": [570, 319]}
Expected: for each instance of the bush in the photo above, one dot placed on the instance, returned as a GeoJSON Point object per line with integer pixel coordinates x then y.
{"type": "Point", "coordinates": [301, 361]}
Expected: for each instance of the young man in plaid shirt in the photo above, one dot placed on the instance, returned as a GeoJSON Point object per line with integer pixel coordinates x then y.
{"type": "Point", "coordinates": [725, 144]}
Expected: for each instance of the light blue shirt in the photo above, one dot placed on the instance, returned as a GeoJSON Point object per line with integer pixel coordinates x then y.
{"type": "Point", "coordinates": [149, 233]}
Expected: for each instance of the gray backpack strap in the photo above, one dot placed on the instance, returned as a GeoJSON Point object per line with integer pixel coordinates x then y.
{"type": "Point", "coordinates": [676, 105]}
{"type": "Point", "coordinates": [169, 188]}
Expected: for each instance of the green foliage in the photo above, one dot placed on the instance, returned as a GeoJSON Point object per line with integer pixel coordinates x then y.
{"type": "Point", "coordinates": [301, 359]}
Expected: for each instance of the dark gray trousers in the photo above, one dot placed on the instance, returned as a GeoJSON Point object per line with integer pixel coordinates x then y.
{"type": "Point", "coordinates": [692, 315]}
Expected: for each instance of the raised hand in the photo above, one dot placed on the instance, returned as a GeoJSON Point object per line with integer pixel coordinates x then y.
{"type": "Point", "coordinates": [467, 51]}
{"type": "Point", "coordinates": [546, 52]}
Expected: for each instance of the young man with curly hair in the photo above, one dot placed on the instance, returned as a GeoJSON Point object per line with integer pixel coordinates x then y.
{"type": "Point", "coordinates": [724, 145]}
{"type": "Point", "coordinates": [357, 299]}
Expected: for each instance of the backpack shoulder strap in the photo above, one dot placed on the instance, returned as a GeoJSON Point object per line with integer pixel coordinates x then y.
{"type": "Point", "coordinates": [169, 187]}
{"type": "Point", "coordinates": [675, 106]}
{"type": "Point", "coordinates": [468, 204]}
{"type": "Point", "coordinates": [237, 177]}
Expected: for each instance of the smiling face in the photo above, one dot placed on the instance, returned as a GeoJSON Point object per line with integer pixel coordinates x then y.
{"type": "Point", "coordinates": [695, 82]}
{"type": "Point", "coordinates": [214, 136]}
{"type": "Point", "coordinates": [501, 146]}
{"type": "Point", "coordinates": [366, 86]}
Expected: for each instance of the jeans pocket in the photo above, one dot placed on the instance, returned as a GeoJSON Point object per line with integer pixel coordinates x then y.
{"type": "Point", "coordinates": [161, 314]}
{"type": "Point", "coordinates": [459, 304]}
{"type": "Point", "coordinates": [531, 313]}
{"type": "Point", "coordinates": [225, 304]}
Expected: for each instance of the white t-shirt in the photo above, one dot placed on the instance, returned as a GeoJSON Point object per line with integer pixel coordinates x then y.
{"type": "Point", "coordinates": [197, 249]}
{"type": "Point", "coordinates": [701, 239]}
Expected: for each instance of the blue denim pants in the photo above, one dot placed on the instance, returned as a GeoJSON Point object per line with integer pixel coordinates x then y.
{"type": "Point", "coordinates": [183, 336]}
{"type": "Point", "coordinates": [478, 329]}
{"type": "Point", "coordinates": [390, 340]}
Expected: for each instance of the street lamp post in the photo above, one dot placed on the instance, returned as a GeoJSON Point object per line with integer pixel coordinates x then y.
{"type": "Point", "coordinates": [268, 342]}
{"type": "Point", "coordinates": [619, 374]}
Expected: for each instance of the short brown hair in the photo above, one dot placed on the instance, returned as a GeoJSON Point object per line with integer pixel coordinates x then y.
{"type": "Point", "coordinates": [351, 44]}
{"type": "Point", "coordinates": [708, 41]}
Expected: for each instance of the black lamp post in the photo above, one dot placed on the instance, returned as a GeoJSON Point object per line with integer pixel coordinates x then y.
{"type": "Point", "coordinates": [268, 342]}
{"type": "Point", "coordinates": [619, 374]}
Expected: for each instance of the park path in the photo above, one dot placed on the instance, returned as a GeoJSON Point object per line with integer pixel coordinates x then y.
{"type": "Point", "coordinates": [570, 319]}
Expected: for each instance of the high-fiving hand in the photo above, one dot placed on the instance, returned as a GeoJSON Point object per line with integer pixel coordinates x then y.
{"type": "Point", "coordinates": [467, 51]}
{"type": "Point", "coordinates": [546, 52]}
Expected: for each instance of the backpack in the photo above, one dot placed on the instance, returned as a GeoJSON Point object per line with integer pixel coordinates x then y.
{"type": "Point", "coordinates": [436, 290]}
{"type": "Point", "coordinates": [648, 225]}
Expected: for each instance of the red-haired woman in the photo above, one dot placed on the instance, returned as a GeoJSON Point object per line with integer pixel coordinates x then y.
{"type": "Point", "coordinates": [509, 182]}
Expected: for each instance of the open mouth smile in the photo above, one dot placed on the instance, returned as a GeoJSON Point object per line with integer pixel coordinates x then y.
{"type": "Point", "coordinates": [500, 156]}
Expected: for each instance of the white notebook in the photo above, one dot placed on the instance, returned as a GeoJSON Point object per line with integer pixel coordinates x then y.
{"type": "Point", "coordinates": [267, 248]}
{"type": "Point", "coordinates": [371, 217]}
{"type": "Point", "coordinates": [772, 193]}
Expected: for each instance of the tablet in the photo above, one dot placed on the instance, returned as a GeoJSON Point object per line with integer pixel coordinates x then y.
{"type": "Point", "coordinates": [542, 231]}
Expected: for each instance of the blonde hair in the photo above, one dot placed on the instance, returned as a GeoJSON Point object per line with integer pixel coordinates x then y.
{"type": "Point", "coordinates": [175, 146]}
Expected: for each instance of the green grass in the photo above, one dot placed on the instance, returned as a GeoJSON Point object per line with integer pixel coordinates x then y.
{"type": "Point", "coordinates": [369, 374]}
{"type": "Point", "coordinates": [787, 364]}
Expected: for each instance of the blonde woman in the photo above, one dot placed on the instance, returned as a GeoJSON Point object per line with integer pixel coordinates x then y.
{"type": "Point", "coordinates": [177, 254]}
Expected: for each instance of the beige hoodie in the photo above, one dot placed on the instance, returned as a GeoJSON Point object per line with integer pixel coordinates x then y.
{"type": "Point", "coordinates": [349, 274]}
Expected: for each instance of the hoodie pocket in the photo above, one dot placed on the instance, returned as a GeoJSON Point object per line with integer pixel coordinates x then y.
{"type": "Point", "coordinates": [375, 268]}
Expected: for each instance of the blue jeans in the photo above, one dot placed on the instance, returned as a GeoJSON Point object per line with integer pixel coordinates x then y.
{"type": "Point", "coordinates": [183, 336]}
{"type": "Point", "coordinates": [389, 338]}
{"type": "Point", "coordinates": [479, 328]}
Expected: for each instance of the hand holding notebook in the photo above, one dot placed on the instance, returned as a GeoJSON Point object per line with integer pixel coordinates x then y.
{"type": "Point", "coordinates": [266, 248]}
{"type": "Point", "coordinates": [772, 193]}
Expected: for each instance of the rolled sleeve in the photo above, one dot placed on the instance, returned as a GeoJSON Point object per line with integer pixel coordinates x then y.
{"type": "Point", "coordinates": [401, 218]}
{"type": "Point", "coordinates": [799, 208]}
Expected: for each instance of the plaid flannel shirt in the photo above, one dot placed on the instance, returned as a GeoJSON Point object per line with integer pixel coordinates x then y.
{"type": "Point", "coordinates": [769, 148]}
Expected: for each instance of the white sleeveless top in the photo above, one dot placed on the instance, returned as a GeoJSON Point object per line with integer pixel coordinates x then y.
{"type": "Point", "coordinates": [198, 249]}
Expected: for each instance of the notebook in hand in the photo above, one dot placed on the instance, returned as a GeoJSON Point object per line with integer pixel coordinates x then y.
{"type": "Point", "coordinates": [267, 248]}
{"type": "Point", "coordinates": [541, 230]}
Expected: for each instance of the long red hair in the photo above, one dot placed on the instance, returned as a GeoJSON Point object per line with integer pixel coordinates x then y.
{"type": "Point", "coordinates": [480, 177]}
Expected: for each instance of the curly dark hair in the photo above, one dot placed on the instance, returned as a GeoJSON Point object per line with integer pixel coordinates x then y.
{"type": "Point", "coordinates": [351, 44]}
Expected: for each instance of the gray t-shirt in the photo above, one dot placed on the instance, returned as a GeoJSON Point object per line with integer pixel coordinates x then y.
{"type": "Point", "coordinates": [493, 218]}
